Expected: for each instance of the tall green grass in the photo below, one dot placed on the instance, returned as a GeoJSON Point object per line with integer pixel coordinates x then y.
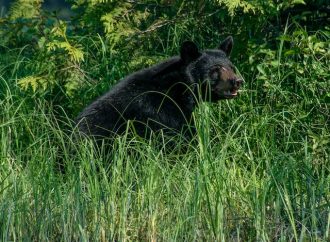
{"type": "Point", "coordinates": [257, 170]}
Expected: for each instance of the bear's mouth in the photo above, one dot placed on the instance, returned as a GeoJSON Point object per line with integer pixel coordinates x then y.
{"type": "Point", "coordinates": [226, 90]}
{"type": "Point", "coordinates": [231, 93]}
{"type": "Point", "coordinates": [226, 94]}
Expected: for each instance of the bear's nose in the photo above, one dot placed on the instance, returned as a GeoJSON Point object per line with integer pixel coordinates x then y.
{"type": "Point", "coordinates": [237, 82]}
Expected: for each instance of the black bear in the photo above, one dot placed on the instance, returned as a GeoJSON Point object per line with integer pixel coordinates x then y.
{"type": "Point", "coordinates": [163, 96]}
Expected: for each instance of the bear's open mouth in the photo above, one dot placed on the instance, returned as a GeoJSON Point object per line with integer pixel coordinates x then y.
{"type": "Point", "coordinates": [230, 93]}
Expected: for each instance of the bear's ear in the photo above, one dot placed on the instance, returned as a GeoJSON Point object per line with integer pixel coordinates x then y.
{"type": "Point", "coordinates": [189, 51]}
{"type": "Point", "coordinates": [227, 45]}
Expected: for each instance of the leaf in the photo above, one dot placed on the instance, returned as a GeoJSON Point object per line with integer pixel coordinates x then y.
{"type": "Point", "coordinates": [299, 2]}
{"type": "Point", "coordinates": [289, 52]}
{"type": "Point", "coordinates": [261, 70]}
{"type": "Point", "coordinates": [25, 9]}
{"type": "Point", "coordinates": [274, 63]}
{"type": "Point", "coordinates": [41, 42]}
{"type": "Point", "coordinates": [75, 53]}
{"type": "Point", "coordinates": [34, 82]}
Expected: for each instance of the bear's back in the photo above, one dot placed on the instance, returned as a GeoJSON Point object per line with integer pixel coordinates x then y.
{"type": "Point", "coordinates": [108, 114]}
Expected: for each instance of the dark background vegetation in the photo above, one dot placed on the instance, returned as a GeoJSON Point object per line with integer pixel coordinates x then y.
{"type": "Point", "coordinates": [50, 5]}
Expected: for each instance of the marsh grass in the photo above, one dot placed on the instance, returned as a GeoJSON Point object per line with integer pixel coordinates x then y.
{"type": "Point", "coordinates": [257, 170]}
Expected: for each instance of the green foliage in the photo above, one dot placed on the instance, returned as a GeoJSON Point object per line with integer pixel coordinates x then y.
{"type": "Point", "coordinates": [25, 9]}
{"type": "Point", "coordinates": [33, 81]}
{"type": "Point", "coordinates": [299, 55]}
{"type": "Point", "coordinates": [60, 42]}
{"type": "Point", "coordinates": [121, 22]}
{"type": "Point", "coordinates": [138, 26]}
{"type": "Point", "coordinates": [246, 6]}
{"type": "Point", "coordinates": [63, 62]}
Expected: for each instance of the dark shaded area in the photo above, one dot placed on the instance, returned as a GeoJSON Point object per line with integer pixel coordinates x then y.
{"type": "Point", "coordinates": [62, 8]}
{"type": "Point", "coordinates": [312, 14]}
{"type": "Point", "coordinates": [4, 4]}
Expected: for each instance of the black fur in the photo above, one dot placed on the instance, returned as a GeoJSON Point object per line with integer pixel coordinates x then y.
{"type": "Point", "coordinates": [162, 96]}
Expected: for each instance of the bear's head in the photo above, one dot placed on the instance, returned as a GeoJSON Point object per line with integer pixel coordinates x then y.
{"type": "Point", "coordinates": [212, 70]}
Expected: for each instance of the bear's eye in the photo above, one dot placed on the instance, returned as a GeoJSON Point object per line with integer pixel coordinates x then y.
{"type": "Point", "coordinates": [233, 68]}
{"type": "Point", "coordinates": [215, 73]}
